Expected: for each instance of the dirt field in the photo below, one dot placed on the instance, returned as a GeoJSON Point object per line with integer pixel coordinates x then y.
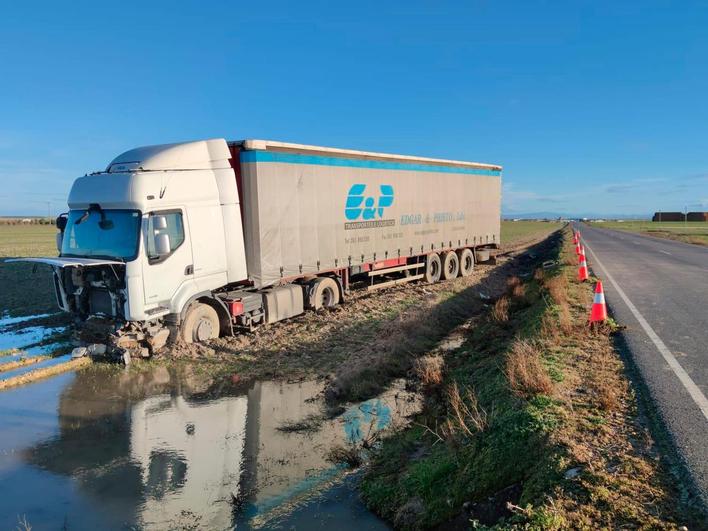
{"type": "Point", "coordinates": [695, 232]}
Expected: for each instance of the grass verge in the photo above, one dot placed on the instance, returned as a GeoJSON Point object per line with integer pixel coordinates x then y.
{"type": "Point", "coordinates": [532, 426]}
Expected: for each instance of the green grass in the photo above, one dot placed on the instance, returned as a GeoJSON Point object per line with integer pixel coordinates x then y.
{"type": "Point", "coordinates": [514, 231]}
{"type": "Point", "coordinates": [695, 232]}
{"type": "Point", "coordinates": [27, 240]}
{"type": "Point", "coordinates": [512, 450]}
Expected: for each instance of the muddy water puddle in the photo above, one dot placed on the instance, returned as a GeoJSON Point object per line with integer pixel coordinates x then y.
{"type": "Point", "coordinates": [125, 449]}
{"type": "Point", "coordinates": [30, 336]}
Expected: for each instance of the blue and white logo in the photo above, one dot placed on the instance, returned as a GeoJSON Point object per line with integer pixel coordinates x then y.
{"type": "Point", "coordinates": [360, 206]}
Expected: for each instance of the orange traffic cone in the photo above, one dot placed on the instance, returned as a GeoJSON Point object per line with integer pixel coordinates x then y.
{"type": "Point", "coordinates": [577, 248]}
{"type": "Point", "coordinates": [583, 270]}
{"type": "Point", "coordinates": [575, 238]}
{"type": "Point", "coordinates": [598, 313]}
{"type": "Point", "coordinates": [581, 256]}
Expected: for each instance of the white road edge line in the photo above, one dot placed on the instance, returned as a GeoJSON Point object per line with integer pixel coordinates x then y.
{"type": "Point", "coordinates": [693, 390]}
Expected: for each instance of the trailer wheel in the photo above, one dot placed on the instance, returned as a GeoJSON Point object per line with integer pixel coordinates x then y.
{"type": "Point", "coordinates": [433, 268]}
{"type": "Point", "coordinates": [324, 293]}
{"type": "Point", "coordinates": [200, 323]}
{"type": "Point", "coordinates": [466, 262]}
{"type": "Point", "coordinates": [450, 265]}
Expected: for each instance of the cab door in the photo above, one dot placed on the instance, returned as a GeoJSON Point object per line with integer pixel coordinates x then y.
{"type": "Point", "coordinates": [168, 258]}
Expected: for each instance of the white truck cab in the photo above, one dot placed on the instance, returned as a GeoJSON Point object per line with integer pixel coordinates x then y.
{"type": "Point", "coordinates": [158, 229]}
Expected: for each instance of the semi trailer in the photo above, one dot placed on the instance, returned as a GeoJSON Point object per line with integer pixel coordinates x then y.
{"type": "Point", "coordinates": [199, 239]}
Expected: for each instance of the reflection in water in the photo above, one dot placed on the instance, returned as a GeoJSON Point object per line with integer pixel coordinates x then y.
{"type": "Point", "coordinates": [188, 455]}
{"type": "Point", "coordinates": [172, 449]}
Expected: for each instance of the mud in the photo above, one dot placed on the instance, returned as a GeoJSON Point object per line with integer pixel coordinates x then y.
{"type": "Point", "coordinates": [26, 289]}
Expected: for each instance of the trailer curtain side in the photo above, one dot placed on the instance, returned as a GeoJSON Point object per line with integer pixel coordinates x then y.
{"type": "Point", "coordinates": [307, 213]}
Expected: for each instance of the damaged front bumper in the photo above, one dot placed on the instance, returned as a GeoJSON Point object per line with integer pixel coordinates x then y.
{"type": "Point", "coordinates": [105, 337]}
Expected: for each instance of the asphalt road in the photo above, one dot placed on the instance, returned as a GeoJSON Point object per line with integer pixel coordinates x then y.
{"type": "Point", "coordinates": [659, 290]}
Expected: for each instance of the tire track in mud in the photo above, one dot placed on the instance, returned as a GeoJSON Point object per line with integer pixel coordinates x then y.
{"type": "Point", "coordinates": [54, 366]}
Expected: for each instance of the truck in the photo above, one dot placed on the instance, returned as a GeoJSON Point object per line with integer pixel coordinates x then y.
{"type": "Point", "coordinates": [193, 240]}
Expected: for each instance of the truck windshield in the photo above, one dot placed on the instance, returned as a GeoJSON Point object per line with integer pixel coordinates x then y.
{"type": "Point", "coordinates": [102, 233]}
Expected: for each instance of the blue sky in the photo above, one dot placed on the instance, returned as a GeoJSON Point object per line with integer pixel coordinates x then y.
{"type": "Point", "coordinates": [589, 106]}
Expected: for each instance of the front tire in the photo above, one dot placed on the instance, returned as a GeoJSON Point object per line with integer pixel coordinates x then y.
{"type": "Point", "coordinates": [200, 324]}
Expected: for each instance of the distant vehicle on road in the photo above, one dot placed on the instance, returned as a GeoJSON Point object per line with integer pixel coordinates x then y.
{"type": "Point", "coordinates": [198, 239]}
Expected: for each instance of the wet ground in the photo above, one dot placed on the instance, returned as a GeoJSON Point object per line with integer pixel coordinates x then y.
{"type": "Point", "coordinates": [108, 447]}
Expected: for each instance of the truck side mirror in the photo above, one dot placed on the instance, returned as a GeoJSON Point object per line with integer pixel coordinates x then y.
{"type": "Point", "coordinates": [162, 244]}
{"type": "Point", "coordinates": [61, 225]}
{"type": "Point", "coordinates": [61, 222]}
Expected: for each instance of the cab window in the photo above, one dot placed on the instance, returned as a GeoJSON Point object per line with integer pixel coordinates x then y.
{"type": "Point", "coordinates": [161, 224]}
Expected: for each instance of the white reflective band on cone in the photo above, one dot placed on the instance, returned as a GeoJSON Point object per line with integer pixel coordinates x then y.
{"type": "Point", "coordinates": [599, 298]}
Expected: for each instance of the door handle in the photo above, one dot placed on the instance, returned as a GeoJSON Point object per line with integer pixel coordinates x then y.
{"type": "Point", "coordinates": [189, 270]}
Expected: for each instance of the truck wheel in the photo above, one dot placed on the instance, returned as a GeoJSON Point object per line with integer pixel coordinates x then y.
{"type": "Point", "coordinates": [433, 268]}
{"type": "Point", "coordinates": [200, 323]}
{"type": "Point", "coordinates": [450, 265]}
{"type": "Point", "coordinates": [324, 293]}
{"type": "Point", "coordinates": [466, 262]}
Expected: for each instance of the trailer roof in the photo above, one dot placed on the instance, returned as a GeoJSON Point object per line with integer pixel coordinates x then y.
{"type": "Point", "coordinates": [287, 147]}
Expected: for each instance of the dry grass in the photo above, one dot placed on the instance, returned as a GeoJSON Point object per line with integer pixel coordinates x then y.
{"type": "Point", "coordinates": [500, 312]}
{"type": "Point", "coordinates": [565, 320]}
{"type": "Point", "coordinates": [549, 332]}
{"type": "Point", "coordinates": [621, 483]}
{"type": "Point", "coordinates": [512, 282]}
{"type": "Point", "coordinates": [607, 385]}
{"type": "Point", "coordinates": [525, 372]}
{"type": "Point", "coordinates": [349, 455]}
{"type": "Point", "coordinates": [539, 275]}
{"type": "Point", "coordinates": [516, 288]}
{"type": "Point", "coordinates": [429, 370]}
{"type": "Point", "coordinates": [606, 395]}
{"type": "Point", "coordinates": [518, 291]}
{"type": "Point", "coordinates": [557, 287]}
{"type": "Point", "coordinates": [466, 416]}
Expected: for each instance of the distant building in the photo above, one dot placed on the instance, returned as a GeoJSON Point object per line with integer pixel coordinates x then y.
{"type": "Point", "coordinates": [697, 216]}
{"type": "Point", "coordinates": [668, 216]}
{"type": "Point", "coordinates": [680, 216]}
